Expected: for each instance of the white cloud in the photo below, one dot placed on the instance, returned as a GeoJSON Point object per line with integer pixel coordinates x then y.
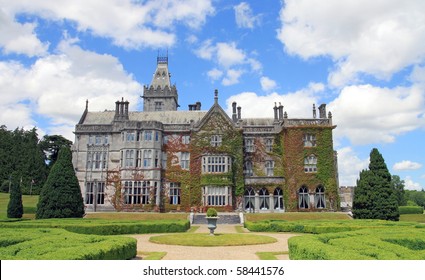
{"type": "Point", "coordinates": [215, 74]}
{"type": "Point", "coordinates": [229, 55]}
{"type": "Point", "coordinates": [349, 166]}
{"type": "Point", "coordinates": [19, 38]}
{"type": "Point", "coordinates": [232, 77]}
{"type": "Point", "coordinates": [366, 114]}
{"type": "Point", "coordinates": [297, 104]}
{"type": "Point", "coordinates": [359, 35]}
{"type": "Point", "coordinates": [406, 165]}
{"type": "Point", "coordinates": [267, 84]}
{"type": "Point", "coordinates": [130, 24]}
{"type": "Point", "coordinates": [409, 184]}
{"type": "Point", "coordinates": [245, 17]}
{"type": "Point", "coordinates": [56, 86]}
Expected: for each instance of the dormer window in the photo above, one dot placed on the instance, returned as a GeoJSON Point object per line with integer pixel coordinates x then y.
{"type": "Point", "coordinates": [216, 140]}
{"type": "Point", "coordinates": [309, 140]}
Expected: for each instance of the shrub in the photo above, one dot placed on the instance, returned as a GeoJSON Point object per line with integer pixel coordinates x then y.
{"type": "Point", "coordinates": [59, 244]}
{"type": "Point", "coordinates": [411, 210]}
{"type": "Point", "coordinates": [15, 209]}
{"type": "Point", "coordinates": [211, 212]}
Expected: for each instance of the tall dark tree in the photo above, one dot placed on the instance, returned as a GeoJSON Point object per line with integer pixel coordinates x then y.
{"type": "Point", "coordinates": [50, 145]}
{"type": "Point", "coordinates": [15, 209]}
{"type": "Point", "coordinates": [374, 196]}
{"type": "Point", "coordinates": [61, 195]}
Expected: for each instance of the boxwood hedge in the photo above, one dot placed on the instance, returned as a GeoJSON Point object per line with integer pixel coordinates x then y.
{"type": "Point", "coordinates": [397, 243]}
{"type": "Point", "coordinates": [103, 227]}
{"type": "Point", "coordinates": [410, 210]}
{"type": "Point", "coordinates": [59, 244]}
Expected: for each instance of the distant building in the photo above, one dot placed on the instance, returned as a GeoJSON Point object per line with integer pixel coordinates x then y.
{"type": "Point", "coordinates": [164, 159]}
{"type": "Point", "coordinates": [346, 196]}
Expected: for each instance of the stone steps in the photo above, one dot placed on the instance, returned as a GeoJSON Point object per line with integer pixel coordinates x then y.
{"type": "Point", "coordinates": [228, 219]}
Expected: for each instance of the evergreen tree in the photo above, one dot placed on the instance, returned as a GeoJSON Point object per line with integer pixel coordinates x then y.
{"type": "Point", "coordinates": [61, 195]}
{"type": "Point", "coordinates": [50, 145]}
{"type": "Point", "coordinates": [15, 209]}
{"type": "Point", "coordinates": [374, 196]}
{"type": "Point", "coordinates": [398, 186]}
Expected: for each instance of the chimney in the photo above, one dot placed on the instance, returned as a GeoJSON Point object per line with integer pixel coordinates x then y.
{"type": "Point", "coordinates": [198, 106]}
{"type": "Point", "coordinates": [280, 111]}
{"type": "Point", "coordinates": [239, 112]}
{"type": "Point", "coordinates": [216, 96]}
{"type": "Point", "coordinates": [275, 112]}
{"type": "Point", "coordinates": [234, 116]}
{"type": "Point", "coordinates": [322, 111]}
{"type": "Point", "coordinates": [117, 108]}
{"type": "Point", "coordinates": [190, 107]}
{"type": "Point", "coordinates": [314, 111]}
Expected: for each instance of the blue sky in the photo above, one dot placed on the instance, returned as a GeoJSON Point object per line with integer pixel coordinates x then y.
{"type": "Point", "coordinates": [364, 59]}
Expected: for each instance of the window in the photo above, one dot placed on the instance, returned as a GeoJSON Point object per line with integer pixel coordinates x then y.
{"type": "Point", "coordinates": [310, 164]}
{"type": "Point", "coordinates": [249, 145]}
{"type": "Point", "coordinates": [96, 160]}
{"type": "Point", "coordinates": [98, 140]}
{"type": "Point", "coordinates": [136, 192]}
{"type": "Point", "coordinates": [248, 168]}
{"type": "Point", "coordinates": [319, 197]}
{"type": "Point", "coordinates": [186, 139]}
{"type": "Point", "coordinates": [216, 196]}
{"type": "Point", "coordinates": [269, 168]}
{"type": "Point", "coordinates": [309, 140]}
{"type": "Point", "coordinates": [147, 158]}
{"type": "Point", "coordinates": [303, 198]}
{"type": "Point", "coordinates": [249, 200]}
{"type": "Point", "coordinates": [95, 190]}
{"type": "Point", "coordinates": [130, 136]}
{"type": "Point", "coordinates": [129, 158]}
{"type": "Point", "coordinates": [175, 192]}
{"type": "Point", "coordinates": [216, 140]}
{"type": "Point", "coordinates": [148, 135]}
{"type": "Point", "coordinates": [216, 164]}
{"type": "Point", "coordinates": [158, 106]}
{"type": "Point", "coordinates": [264, 199]}
{"type": "Point", "coordinates": [156, 136]}
{"type": "Point", "coordinates": [269, 145]}
{"type": "Point", "coordinates": [278, 199]}
{"type": "Point", "coordinates": [139, 158]}
{"type": "Point", "coordinates": [184, 160]}
{"type": "Point", "coordinates": [157, 153]}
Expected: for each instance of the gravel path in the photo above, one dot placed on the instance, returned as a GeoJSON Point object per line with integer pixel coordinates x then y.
{"type": "Point", "coordinates": [175, 252]}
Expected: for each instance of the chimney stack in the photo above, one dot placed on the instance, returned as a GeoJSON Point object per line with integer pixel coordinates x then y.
{"type": "Point", "coordinates": [322, 111]}
{"type": "Point", "coordinates": [280, 111]}
{"type": "Point", "coordinates": [275, 112]}
{"type": "Point", "coordinates": [234, 116]}
{"type": "Point", "coordinates": [239, 112]}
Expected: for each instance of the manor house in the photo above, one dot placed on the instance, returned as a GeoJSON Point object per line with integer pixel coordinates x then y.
{"type": "Point", "coordinates": [165, 159]}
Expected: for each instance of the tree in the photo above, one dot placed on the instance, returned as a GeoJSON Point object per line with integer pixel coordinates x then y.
{"type": "Point", "coordinates": [398, 186]}
{"type": "Point", "coordinates": [50, 145]}
{"type": "Point", "coordinates": [374, 196]}
{"type": "Point", "coordinates": [15, 208]}
{"type": "Point", "coordinates": [61, 195]}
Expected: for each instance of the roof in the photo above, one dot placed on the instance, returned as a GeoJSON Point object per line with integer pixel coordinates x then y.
{"type": "Point", "coordinates": [166, 117]}
{"type": "Point", "coordinates": [258, 122]}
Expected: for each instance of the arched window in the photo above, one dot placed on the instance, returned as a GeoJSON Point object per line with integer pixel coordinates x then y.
{"type": "Point", "coordinates": [264, 199]}
{"type": "Point", "coordinates": [278, 199]}
{"type": "Point", "coordinates": [310, 164]}
{"type": "Point", "coordinates": [303, 198]}
{"type": "Point", "coordinates": [319, 197]}
{"type": "Point", "coordinates": [248, 168]}
{"type": "Point", "coordinates": [249, 199]}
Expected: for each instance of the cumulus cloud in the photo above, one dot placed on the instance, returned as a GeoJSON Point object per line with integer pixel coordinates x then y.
{"type": "Point", "coordinates": [409, 184]}
{"type": "Point", "coordinates": [129, 24]}
{"type": "Point", "coordinates": [367, 114]}
{"type": "Point", "coordinates": [267, 84]}
{"type": "Point", "coordinates": [19, 38]}
{"type": "Point", "coordinates": [349, 166]}
{"type": "Point", "coordinates": [297, 104]}
{"type": "Point", "coordinates": [245, 17]}
{"type": "Point", "coordinates": [359, 35]}
{"type": "Point", "coordinates": [406, 165]}
{"type": "Point", "coordinates": [231, 62]}
{"type": "Point", "coordinates": [56, 87]}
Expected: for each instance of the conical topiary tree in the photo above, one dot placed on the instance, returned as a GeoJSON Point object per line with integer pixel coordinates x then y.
{"type": "Point", "coordinates": [15, 208]}
{"type": "Point", "coordinates": [374, 196]}
{"type": "Point", "coordinates": [61, 196]}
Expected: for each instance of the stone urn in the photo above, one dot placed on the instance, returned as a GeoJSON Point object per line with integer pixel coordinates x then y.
{"type": "Point", "coordinates": [212, 220]}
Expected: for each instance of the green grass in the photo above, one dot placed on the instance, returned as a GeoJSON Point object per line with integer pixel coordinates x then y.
{"type": "Point", "coordinates": [136, 216]}
{"type": "Point", "coordinates": [240, 229]}
{"type": "Point", "coordinates": [29, 202]}
{"type": "Point", "coordinates": [419, 218]}
{"type": "Point", "coordinates": [193, 229]}
{"type": "Point", "coordinates": [270, 256]}
{"type": "Point", "coordinates": [151, 256]}
{"type": "Point", "coordinates": [206, 240]}
{"type": "Point", "coordinates": [295, 216]}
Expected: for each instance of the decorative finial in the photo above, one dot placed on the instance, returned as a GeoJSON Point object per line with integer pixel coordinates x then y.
{"type": "Point", "coordinates": [314, 111]}
{"type": "Point", "coordinates": [215, 96]}
{"type": "Point", "coordinates": [87, 104]}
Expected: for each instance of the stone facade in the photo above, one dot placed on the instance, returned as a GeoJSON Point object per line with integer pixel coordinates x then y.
{"type": "Point", "coordinates": [162, 159]}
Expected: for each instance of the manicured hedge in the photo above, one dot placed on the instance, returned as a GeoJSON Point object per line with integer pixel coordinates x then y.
{"type": "Point", "coordinates": [396, 243]}
{"type": "Point", "coordinates": [59, 244]}
{"type": "Point", "coordinates": [411, 210]}
{"type": "Point", "coordinates": [103, 227]}
{"type": "Point", "coordinates": [321, 226]}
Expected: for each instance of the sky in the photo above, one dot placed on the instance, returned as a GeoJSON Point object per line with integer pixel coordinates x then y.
{"type": "Point", "coordinates": [364, 59]}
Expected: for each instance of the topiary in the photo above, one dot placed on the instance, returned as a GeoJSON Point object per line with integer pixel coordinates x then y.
{"type": "Point", "coordinates": [211, 212]}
